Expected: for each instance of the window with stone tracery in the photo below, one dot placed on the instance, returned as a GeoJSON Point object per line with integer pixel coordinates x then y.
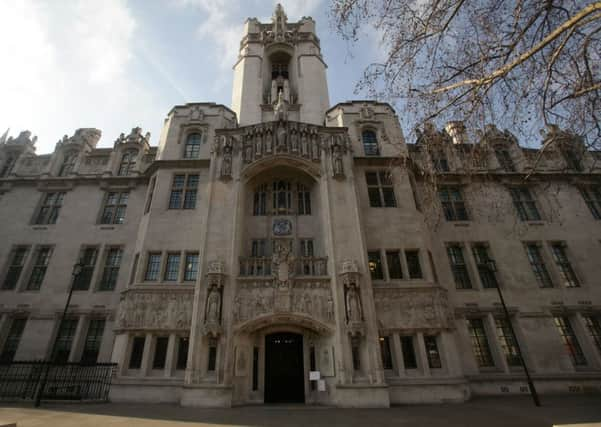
{"type": "Point", "coordinates": [68, 164]}
{"type": "Point", "coordinates": [282, 197]}
{"type": "Point", "coordinates": [128, 163]}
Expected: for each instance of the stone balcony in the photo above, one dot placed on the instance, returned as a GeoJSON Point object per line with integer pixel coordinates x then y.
{"type": "Point", "coordinates": [302, 267]}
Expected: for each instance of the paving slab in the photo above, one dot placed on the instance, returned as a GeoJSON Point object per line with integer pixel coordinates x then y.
{"type": "Point", "coordinates": [578, 411]}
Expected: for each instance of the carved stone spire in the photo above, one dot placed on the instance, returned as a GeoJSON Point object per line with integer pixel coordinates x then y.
{"type": "Point", "coordinates": [279, 20]}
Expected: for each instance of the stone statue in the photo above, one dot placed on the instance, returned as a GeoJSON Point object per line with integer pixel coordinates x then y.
{"type": "Point", "coordinates": [268, 139]}
{"type": "Point", "coordinates": [226, 164]}
{"type": "Point", "coordinates": [280, 111]}
{"type": "Point", "coordinates": [213, 306]}
{"type": "Point", "coordinates": [353, 305]}
{"type": "Point", "coordinates": [286, 90]}
{"type": "Point", "coordinates": [330, 309]}
{"type": "Point", "coordinates": [294, 140]}
{"type": "Point", "coordinates": [337, 160]}
{"type": "Point", "coordinates": [304, 145]}
{"type": "Point", "coordinates": [281, 139]}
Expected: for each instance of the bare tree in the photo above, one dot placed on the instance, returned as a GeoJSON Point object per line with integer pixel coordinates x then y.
{"type": "Point", "coordinates": [517, 63]}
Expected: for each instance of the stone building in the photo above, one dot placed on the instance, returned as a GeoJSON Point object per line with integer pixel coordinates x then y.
{"type": "Point", "coordinates": [288, 251]}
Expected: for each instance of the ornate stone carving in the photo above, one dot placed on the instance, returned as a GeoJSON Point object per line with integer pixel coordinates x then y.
{"type": "Point", "coordinates": [282, 227]}
{"type": "Point", "coordinates": [282, 263]}
{"type": "Point", "coordinates": [155, 310]}
{"type": "Point", "coordinates": [226, 163]}
{"type": "Point", "coordinates": [280, 109]}
{"type": "Point", "coordinates": [352, 302]}
{"type": "Point", "coordinates": [313, 299]}
{"type": "Point", "coordinates": [415, 308]}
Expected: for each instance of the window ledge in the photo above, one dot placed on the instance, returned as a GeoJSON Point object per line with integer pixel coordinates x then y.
{"type": "Point", "coordinates": [39, 227]}
{"type": "Point", "coordinates": [460, 223]}
{"type": "Point", "coordinates": [535, 223]}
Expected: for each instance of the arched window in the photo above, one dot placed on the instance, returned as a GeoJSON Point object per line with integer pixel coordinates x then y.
{"type": "Point", "coordinates": [192, 149]}
{"type": "Point", "coordinates": [128, 163]}
{"type": "Point", "coordinates": [68, 164]}
{"type": "Point", "coordinates": [7, 167]}
{"type": "Point", "coordinates": [370, 143]}
{"type": "Point", "coordinates": [282, 197]}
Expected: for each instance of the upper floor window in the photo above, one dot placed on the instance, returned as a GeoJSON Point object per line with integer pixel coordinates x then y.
{"type": "Point", "coordinates": [279, 69]}
{"type": "Point", "coordinates": [504, 159]}
{"type": "Point", "coordinates": [459, 266]}
{"type": "Point", "coordinates": [128, 163]}
{"type": "Point", "coordinates": [393, 259]}
{"type": "Point", "coordinates": [11, 343]}
{"type": "Point", "coordinates": [172, 267]}
{"type": "Point", "coordinates": [563, 264]}
{"type": "Point", "coordinates": [51, 206]}
{"type": "Point", "coordinates": [91, 346]}
{"type": "Point", "coordinates": [191, 267]}
{"type": "Point", "coordinates": [453, 205]}
{"type": "Point", "coordinates": [68, 164]}
{"type": "Point", "coordinates": [480, 343]}
{"type": "Point", "coordinates": [8, 165]}
{"type": "Point", "coordinates": [570, 341]}
{"type": "Point", "coordinates": [260, 200]}
{"type": "Point", "coordinates": [537, 262]}
{"type": "Point", "coordinates": [112, 263]}
{"type": "Point", "coordinates": [593, 325]}
{"type": "Point", "coordinates": [183, 192]}
{"type": "Point", "coordinates": [282, 197]}
{"type": "Point", "coordinates": [380, 189]}
{"type": "Point", "coordinates": [439, 160]}
{"type": "Point", "coordinates": [41, 260]}
{"type": "Point", "coordinates": [375, 265]}
{"type": "Point", "coordinates": [153, 267]}
{"type": "Point", "coordinates": [88, 262]}
{"type": "Point", "coordinates": [524, 204]}
{"type": "Point", "coordinates": [508, 342]}
{"type": "Point", "coordinates": [483, 263]}
{"type": "Point", "coordinates": [592, 198]}
{"type": "Point", "coordinates": [192, 148]}
{"type": "Point", "coordinates": [370, 143]}
{"type": "Point", "coordinates": [304, 200]}
{"type": "Point", "coordinates": [15, 267]}
{"type": "Point", "coordinates": [64, 340]}
{"type": "Point", "coordinates": [413, 264]}
{"type": "Point", "coordinates": [115, 204]}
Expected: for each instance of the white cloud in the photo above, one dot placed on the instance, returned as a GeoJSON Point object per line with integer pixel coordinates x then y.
{"type": "Point", "coordinates": [66, 65]}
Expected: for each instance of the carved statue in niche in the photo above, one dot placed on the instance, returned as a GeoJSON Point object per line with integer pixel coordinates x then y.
{"type": "Point", "coordinates": [337, 158]}
{"type": "Point", "coordinates": [226, 165]}
{"type": "Point", "coordinates": [293, 139]}
{"type": "Point", "coordinates": [281, 139]}
{"type": "Point", "coordinates": [286, 90]}
{"type": "Point", "coordinates": [280, 110]}
{"type": "Point", "coordinates": [282, 264]}
{"type": "Point", "coordinates": [268, 135]}
{"type": "Point", "coordinates": [353, 304]}
{"type": "Point", "coordinates": [304, 143]}
{"type": "Point", "coordinates": [330, 309]}
{"type": "Point", "coordinates": [248, 147]}
{"type": "Point", "coordinates": [213, 306]}
{"type": "Point", "coordinates": [315, 144]}
{"type": "Point", "coordinates": [258, 138]}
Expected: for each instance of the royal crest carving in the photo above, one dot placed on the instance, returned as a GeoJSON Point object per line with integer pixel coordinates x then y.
{"type": "Point", "coordinates": [155, 310]}
{"type": "Point", "coordinates": [282, 227]}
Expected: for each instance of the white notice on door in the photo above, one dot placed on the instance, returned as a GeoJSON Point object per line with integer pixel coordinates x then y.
{"type": "Point", "coordinates": [314, 375]}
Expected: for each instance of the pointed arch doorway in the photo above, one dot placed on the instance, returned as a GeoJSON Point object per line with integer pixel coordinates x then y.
{"type": "Point", "coordinates": [284, 371]}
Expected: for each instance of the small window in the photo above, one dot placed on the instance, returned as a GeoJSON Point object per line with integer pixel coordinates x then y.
{"type": "Point", "coordinates": [192, 149]}
{"type": "Point", "coordinates": [153, 182]}
{"type": "Point", "coordinates": [68, 164]}
{"type": "Point", "coordinates": [64, 340]}
{"type": "Point", "coordinates": [183, 192]}
{"type": "Point", "coordinates": [434, 360]}
{"type": "Point", "coordinates": [385, 352]}
{"type": "Point", "coordinates": [160, 352]}
{"type": "Point", "coordinates": [479, 341]}
{"type": "Point", "coordinates": [459, 267]}
{"type": "Point", "coordinates": [537, 263]}
{"type": "Point", "coordinates": [50, 208]}
{"type": "Point", "coordinates": [91, 347]}
{"type": "Point", "coordinates": [260, 200]}
{"type": "Point", "coordinates": [153, 267]}
{"type": "Point", "coordinates": [191, 270]}
{"type": "Point", "coordinates": [504, 159]}
{"type": "Point", "coordinates": [259, 248]}
{"type": "Point", "coordinates": [563, 264]}
{"type": "Point", "coordinates": [370, 143]}
{"type": "Point", "coordinates": [88, 262]}
{"type": "Point", "coordinates": [380, 189]}
{"type": "Point", "coordinates": [115, 204]}
{"type": "Point", "coordinates": [593, 326]}
{"type": "Point", "coordinates": [41, 260]}
{"type": "Point", "coordinates": [483, 263]}
{"type": "Point", "coordinates": [508, 342]}
{"type": "Point", "coordinates": [592, 198]}
{"type": "Point", "coordinates": [182, 353]}
{"type": "Point", "coordinates": [375, 265]}
{"type": "Point", "coordinates": [172, 267]}
{"type": "Point", "coordinates": [393, 259]}
{"type": "Point", "coordinates": [112, 263]}
{"type": "Point", "coordinates": [413, 264]}
{"type": "Point", "coordinates": [212, 362]}
{"type": "Point", "coordinates": [304, 200]}
{"type": "Point", "coordinates": [570, 341]}
{"type": "Point", "coordinates": [128, 163]}
{"type": "Point", "coordinates": [137, 351]}
{"type": "Point", "coordinates": [524, 204]}
{"type": "Point", "coordinates": [11, 343]}
{"type": "Point", "coordinates": [453, 206]}
{"type": "Point", "coordinates": [15, 267]}
{"type": "Point", "coordinates": [409, 359]}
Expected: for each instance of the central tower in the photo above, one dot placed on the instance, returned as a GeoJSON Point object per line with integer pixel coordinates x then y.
{"type": "Point", "coordinates": [280, 61]}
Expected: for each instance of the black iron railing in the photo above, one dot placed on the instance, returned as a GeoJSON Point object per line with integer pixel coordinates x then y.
{"type": "Point", "coordinates": [69, 381]}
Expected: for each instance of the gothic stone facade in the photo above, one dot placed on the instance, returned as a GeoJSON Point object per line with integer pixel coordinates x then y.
{"type": "Point", "coordinates": [285, 227]}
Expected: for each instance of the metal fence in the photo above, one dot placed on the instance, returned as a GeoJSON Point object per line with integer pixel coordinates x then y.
{"type": "Point", "coordinates": [69, 381]}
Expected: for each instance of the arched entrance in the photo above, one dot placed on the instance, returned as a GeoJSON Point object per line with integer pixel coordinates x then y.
{"type": "Point", "coordinates": [284, 372]}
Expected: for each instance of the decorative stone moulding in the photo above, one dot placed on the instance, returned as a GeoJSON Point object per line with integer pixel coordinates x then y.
{"type": "Point", "coordinates": [155, 310]}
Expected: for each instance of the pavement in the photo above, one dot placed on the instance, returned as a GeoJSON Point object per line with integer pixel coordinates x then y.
{"type": "Point", "coordinates": [515, 411]}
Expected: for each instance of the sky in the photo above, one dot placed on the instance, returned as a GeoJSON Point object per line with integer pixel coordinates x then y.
{"type": "Point", "coordinates": [117, 64]}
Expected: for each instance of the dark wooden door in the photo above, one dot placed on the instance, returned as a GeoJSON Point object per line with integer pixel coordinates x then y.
{"type": "Point", "coordinates": [284, 373]}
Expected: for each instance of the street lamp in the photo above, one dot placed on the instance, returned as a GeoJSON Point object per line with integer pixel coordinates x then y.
{"type": "Point", "coordinates": [77, 269]}
{"type": "Point", "coordinates": [492, 268]}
